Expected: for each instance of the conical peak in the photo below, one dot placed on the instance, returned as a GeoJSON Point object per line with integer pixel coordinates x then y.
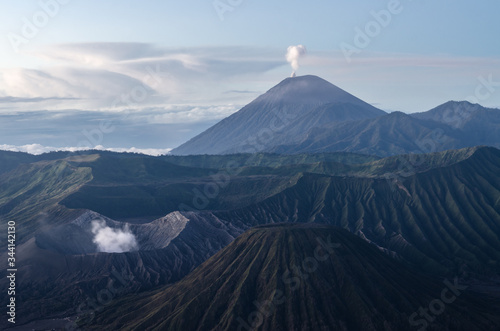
{"type": "Point", "coordinates": [309, 79]}
{"type": "Point", "coordinates": [308, 83]}
{"type": "Point", "coordinates": [307, 89]}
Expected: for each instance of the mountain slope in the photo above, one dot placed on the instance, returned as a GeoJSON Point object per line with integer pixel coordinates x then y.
{"type": "Point", "coordinates": [61, 272]}
{"type": "Point", "coordinates": [392, 134]}
{"type": "Point", "coordinates": [452, 113]}
{"type": "Point", "coordinates": [478, 125]}
{"type": "Point", "coordinates": [273, 112]}
{"type": "Point", "coordinates": [439, 212]}
{"type": "Point", "coordinates": [444, 219]}
{"type": "Point", "coordinates": [32, 191]}
{"type": "Point", "coordinates": [296, 277]}
{"type": "Point", "coordinates": [10, 160]}
{"type": "Point", "coordinates": [309, 115]}
{"type": "Point", "coordinates": [452, 125]}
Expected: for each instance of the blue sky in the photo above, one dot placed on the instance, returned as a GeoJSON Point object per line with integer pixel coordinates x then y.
{"type": "Point", "coordinates": [424, 27]}
{"type": "Point", "coordinates": [191, 63]}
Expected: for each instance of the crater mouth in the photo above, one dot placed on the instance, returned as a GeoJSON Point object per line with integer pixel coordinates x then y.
{"type": "Point", "coordinates": [92, 233]}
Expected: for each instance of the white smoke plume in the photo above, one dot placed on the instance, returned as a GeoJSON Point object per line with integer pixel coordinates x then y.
{"type": "Point", "coordinates": [293, 54]}
{"type": "Point", "coordinates": [109, 240]}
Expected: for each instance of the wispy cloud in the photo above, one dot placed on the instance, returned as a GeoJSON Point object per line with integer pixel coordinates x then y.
{"type": "Point", "coordinates": [241, 92]}
{"type": "Point", "coordinates": [95, 75]}
{"type": "Point", "coordinates": [27, 100]}
{"type": "Point", "coordinates": [89, 86]}
{"type": "Point", "coordinates": [184, 114]}
{"type": "Point", "coordinates": [154, 127]}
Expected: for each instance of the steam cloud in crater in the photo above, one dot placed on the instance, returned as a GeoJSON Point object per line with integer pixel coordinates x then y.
{"type": "Point", "coordinates": [293, 54]}
{"type": "Point", "coordinates": [109, 240]}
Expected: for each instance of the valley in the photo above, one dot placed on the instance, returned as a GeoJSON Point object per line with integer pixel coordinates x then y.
{"type": "Point", "coordinates": [442, 219]}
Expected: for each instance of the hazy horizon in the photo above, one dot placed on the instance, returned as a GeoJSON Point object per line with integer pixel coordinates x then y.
{"type": "Point", "coordinates": [161, 73]}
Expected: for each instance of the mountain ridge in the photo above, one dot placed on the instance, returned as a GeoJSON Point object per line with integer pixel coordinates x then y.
{"type": "Point", "coordinates": [295, 277]}
{"type": "Point", "coordinates": [271, 112]}
{"type": "Point", "coordinates": [438, 212]}
{"type": "Point", "coordinates": [320, 117]}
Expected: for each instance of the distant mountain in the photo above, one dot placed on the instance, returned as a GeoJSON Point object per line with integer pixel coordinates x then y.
{"type": "Point", "coordinates": [476, 125]}
{"type": "Point", "coordinates": [309, 115]}
{"type": "Point", "coordinates": [452, 125]}
{"type": "Point", "coordinates": [453, 113]}
{"type": "Point", "coordinates": [292, 107]}
{"type": "Point", "coordinates": [299, 277]}
{"type": "Point", "coordinates": [391, 134]}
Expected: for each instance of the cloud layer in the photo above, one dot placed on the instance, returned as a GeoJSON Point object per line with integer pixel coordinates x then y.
{"type": "Point", "coordinates": [130, 75]}
{"type": "Point", "coordinates": [118, 76]}
{"type": "Point", "coordinates": [156, 98]}
{"type": "Point", "coordinates": [37, 149]}
{"type": "Point", "coordinates": [151, 128]}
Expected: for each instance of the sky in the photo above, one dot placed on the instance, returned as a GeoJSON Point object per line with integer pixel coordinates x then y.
{"type": "Point", "coordinates": [149, 75]}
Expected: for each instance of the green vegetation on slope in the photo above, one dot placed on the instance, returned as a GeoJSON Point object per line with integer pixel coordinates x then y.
{"type": "Point", "coordinates": [265, 160]}
{"type": "Point", "coordinates": [30, 194]}
{"type": "Point", "coordinates": [446, 220]}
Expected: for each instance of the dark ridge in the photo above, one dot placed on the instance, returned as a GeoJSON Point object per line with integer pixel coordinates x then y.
{"type": "Point", "coordinates": [342, 283]}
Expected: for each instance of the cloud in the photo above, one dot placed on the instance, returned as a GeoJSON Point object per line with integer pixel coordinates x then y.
{"type": "Point", "coordinates": [184, 114]}
{"type": "Point", "coordinates": [109, 240]}
{"type": "Point", "coordinates": [96, 75]}
{"type": "Point", "coordinates": [97, 53]}
{"type": "Point", "coordinates": [92, 76]}
{"type": "Point", "coordinates": [70, 86]}
{"type": "Point", "coordinates": [25, 100]}
{"type": "Point", "coordinates": [293, 54]}
{"type": "Point", "coordinates": [37, 149]}
{"type": "Point", "coordinates": [152, 130]}
{"type": "Point", "coordinates": [241, 91]}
